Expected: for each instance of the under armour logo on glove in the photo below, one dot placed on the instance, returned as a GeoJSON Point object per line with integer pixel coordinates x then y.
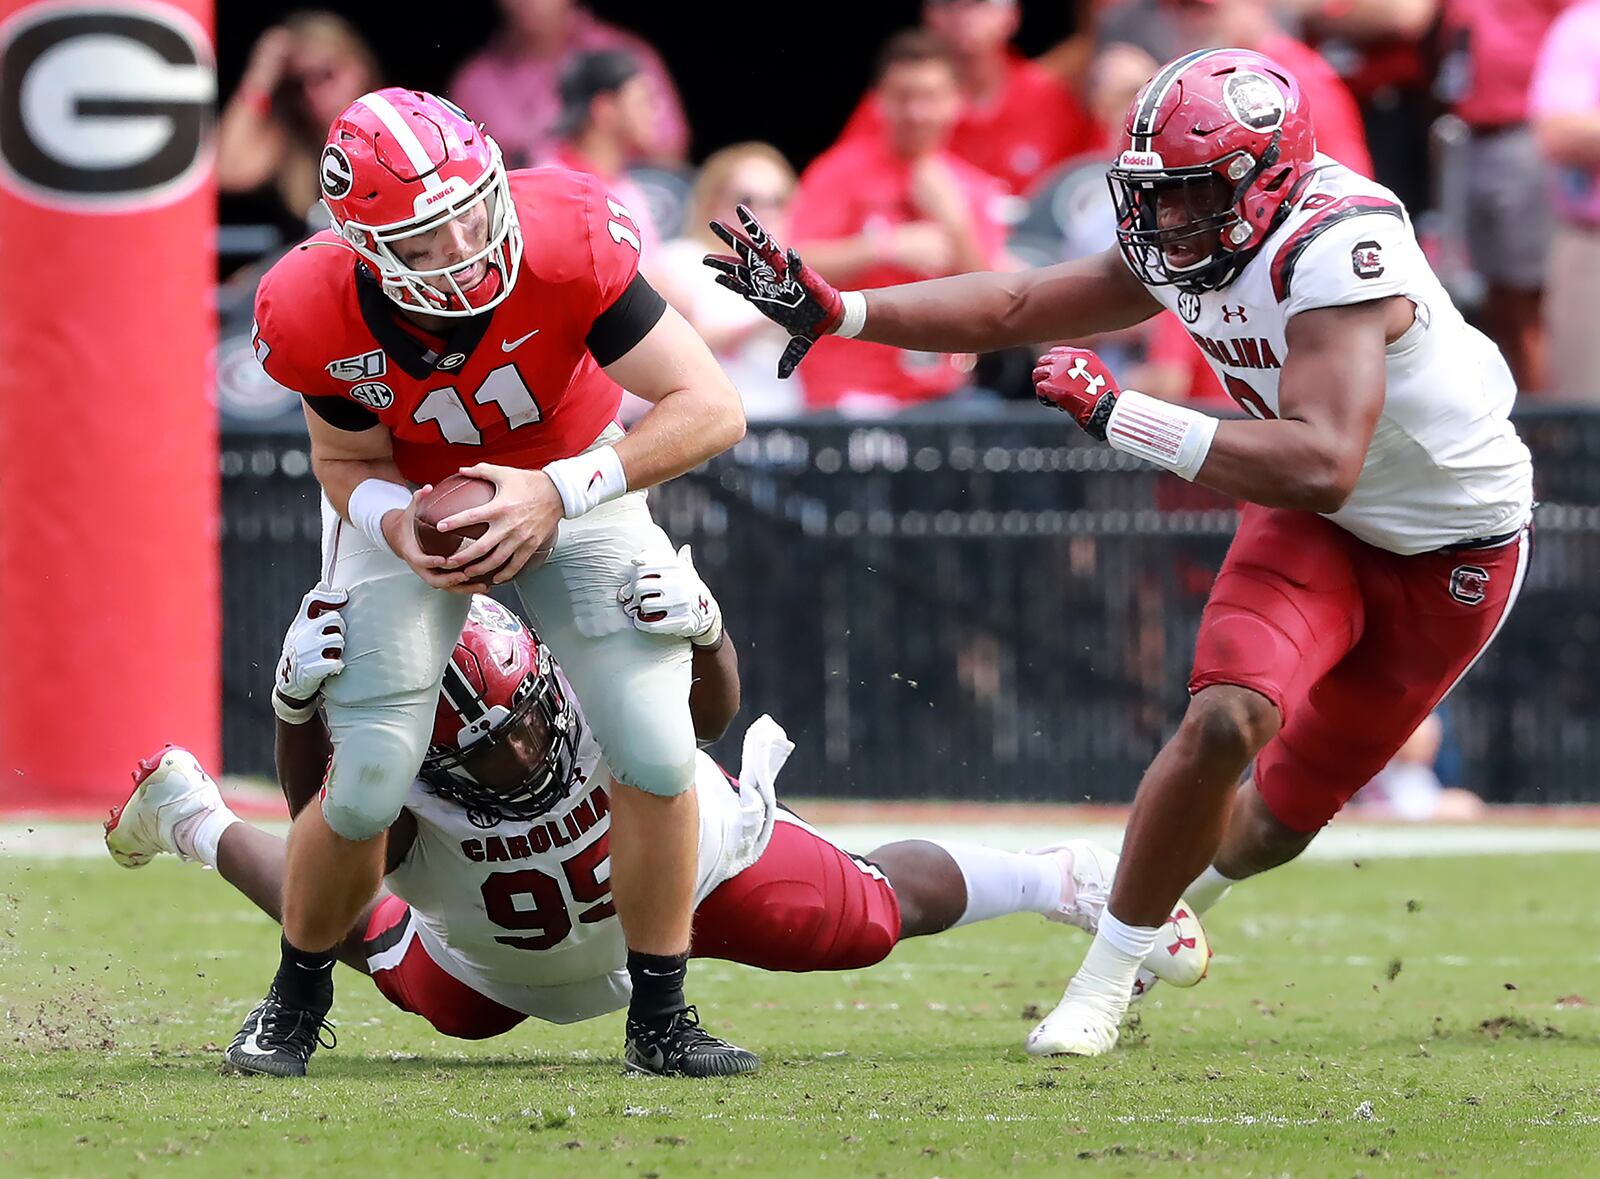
{"type": "Point", "coordinates": [1076, 381]}
{"type": "Point", "coordinates": [778, 284]}
{"type": "Point", "coordinates": [1080, 371]}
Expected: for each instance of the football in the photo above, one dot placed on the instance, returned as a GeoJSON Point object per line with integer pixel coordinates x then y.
{"type": "Point", "coordinates": [450, 495]}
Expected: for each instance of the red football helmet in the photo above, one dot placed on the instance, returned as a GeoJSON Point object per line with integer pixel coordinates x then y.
{"type": "Point", "coordinates": [505, 736]}
{"type": "Point", "coordinates": [400, 164]}
{"type": "Point", "coordinates": [1213, 148]}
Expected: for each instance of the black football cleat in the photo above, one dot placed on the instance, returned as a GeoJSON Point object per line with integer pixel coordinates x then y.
{"type": "Point", "coordinates": [682, 1048]}
{"type": "Point", "coordinates": [278, 1038]}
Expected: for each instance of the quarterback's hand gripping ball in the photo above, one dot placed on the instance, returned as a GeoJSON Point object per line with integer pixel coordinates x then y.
{"type": "Point", "coordinates": [313, 651]}
{"type": "Point", "coordinates": [778, 284]}
{"type": "Point", "coordinates": [668, 598]}
{"type": "Point", "coordinates": [1077, 381]}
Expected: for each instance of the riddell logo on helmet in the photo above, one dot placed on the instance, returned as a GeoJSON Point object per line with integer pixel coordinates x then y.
{"type": "Point", "coordinates": [1140, 159]}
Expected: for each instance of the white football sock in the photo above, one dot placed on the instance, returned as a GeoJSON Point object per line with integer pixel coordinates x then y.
{"type": "Point", "coordinates": [1001, 882]}
{"type": "Point", "coordinates": [1208, 888]}
{"type": "Point", "coordinates": [197, 836]}
{"type": "Point", "coordinates": [1136, 941]}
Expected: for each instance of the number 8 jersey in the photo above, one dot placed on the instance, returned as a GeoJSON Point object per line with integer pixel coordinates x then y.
{"type": "Point", "coordinates": [521, 384]}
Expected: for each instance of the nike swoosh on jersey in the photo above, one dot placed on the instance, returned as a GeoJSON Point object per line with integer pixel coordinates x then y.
{"type": "Point", "coordinates": [509, 345]}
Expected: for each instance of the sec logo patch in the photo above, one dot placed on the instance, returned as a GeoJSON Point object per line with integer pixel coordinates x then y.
{"type": "Point", "coordinates": [373, 395]}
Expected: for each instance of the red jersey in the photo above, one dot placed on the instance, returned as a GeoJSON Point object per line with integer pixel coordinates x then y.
{"type": "Point", "coordinates": [520, 385]}
{"type": "Point", "coordinates": [1032, 123]}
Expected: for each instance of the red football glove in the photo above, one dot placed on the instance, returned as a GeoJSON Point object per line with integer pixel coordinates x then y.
{"type": "Point", "coordinates": [1078, 382]}
{"type": "Point", "coordinates": [778, 284]}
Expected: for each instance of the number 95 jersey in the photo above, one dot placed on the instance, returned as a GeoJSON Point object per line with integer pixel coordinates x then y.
{"type": "Point", "coordinates": [520, 385]}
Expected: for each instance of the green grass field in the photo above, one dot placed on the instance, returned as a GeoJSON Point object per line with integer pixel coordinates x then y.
{"type": "Point", "coordinates": [1397, 1018]}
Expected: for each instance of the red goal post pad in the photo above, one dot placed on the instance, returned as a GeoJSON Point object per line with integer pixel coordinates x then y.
{"type": "Point", "coordinates": [109, 582]}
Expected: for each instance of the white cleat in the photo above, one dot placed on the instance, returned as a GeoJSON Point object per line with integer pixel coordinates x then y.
{"type": "Point", "coordinates": [1182, 954]}
{"type": "Point", "coordinates": [1083, 1024]}
{"type": "Point", "coordinates": [167, 788]}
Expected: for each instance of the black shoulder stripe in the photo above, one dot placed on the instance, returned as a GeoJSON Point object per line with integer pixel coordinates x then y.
{"type": "Point", "coordinates": [1283, 264]}
{"type": "Point", "coordinates": [341, 414]}
{"type": "Point", "coordinates": [627, 321]}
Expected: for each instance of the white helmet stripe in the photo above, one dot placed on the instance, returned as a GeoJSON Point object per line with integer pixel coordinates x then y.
{"type": "Point", "coordinates": [404, 136]}
{"type": "Point", "coordinates": [1144, 119]}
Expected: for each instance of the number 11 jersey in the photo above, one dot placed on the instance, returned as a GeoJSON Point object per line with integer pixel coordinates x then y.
{"type": "Point", "coordinates": [522, 384]}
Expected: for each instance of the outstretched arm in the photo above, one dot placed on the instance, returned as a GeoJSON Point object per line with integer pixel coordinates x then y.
{"type": "Point", "coordinates": [962, 313]}
{"type": "Point", "coordinates": [989, 310]}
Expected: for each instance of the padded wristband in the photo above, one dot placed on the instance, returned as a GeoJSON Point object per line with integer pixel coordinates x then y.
{"type": "Point", "coordinates": [371, 501]}
{"type": "Point", "coordinates": [289, 714]}
{"type": "Point", "coordinates": [588, 480]}
{"type": "Point", "coordinates": [854, 307]}
{"type": "Point", "coordinates": [1170, 436]}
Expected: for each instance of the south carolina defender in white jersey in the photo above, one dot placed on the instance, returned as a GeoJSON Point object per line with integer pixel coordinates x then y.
{"type": "Point", "coordinates": [1389, 494]}
{"type": "Point", "coordinates": [498, 901]}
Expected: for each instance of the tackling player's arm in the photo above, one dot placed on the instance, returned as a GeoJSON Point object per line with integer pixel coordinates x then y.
{"type": "Point", "coordinates": [668, 597]}
{"type": "Point", "coordinates": [313, 652]}
{"type": "Point", "coordinates": [714, 690]}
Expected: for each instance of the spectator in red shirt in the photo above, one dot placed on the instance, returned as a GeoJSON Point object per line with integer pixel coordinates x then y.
{"type": "Point", "coordinates": [893, 207]}
{"type": "Point", "coordinates": [511, 84]}
{"type": "Point", "coordinates": [1016, 119]}
{"type": "Point", "coordinates": [1253, 24]}
{"type": "Point", "coordinates": [1491, 47]}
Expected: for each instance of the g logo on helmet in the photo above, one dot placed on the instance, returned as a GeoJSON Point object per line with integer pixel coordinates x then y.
{"type": "Point", "coordinates": [335, 172]}
{"type": "Point", "coordinates": [1254, 100]}
{"type": "Point", "coordinates": [104, 108]}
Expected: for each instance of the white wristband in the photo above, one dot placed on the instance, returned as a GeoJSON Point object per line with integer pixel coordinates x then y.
{"type": "Point", "coordinates": [854, 318]}
{"type": "Point", "coordinates": [588, 480]}
{"type": "Point", "coordinates": [1170, 436]}
{"type": "Point", "coordinates": [291, 715]}
{"type": "Point", "coordinates": [371, 501]}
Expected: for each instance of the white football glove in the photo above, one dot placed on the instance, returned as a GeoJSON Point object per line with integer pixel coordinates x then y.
{"type": "Point", "coordinates": [668, 598]}
{"type": "Point", "coordinates": [313, 650]}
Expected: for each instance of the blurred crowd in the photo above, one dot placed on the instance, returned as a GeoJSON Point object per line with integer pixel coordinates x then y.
{"type": "Point", "coordinates": [963, 154]}
{"type": "Point", "coordinates": [1483, 115]}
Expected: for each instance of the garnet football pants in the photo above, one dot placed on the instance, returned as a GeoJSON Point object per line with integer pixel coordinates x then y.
{"type": "Point", "coordinates": [1354, 644]}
